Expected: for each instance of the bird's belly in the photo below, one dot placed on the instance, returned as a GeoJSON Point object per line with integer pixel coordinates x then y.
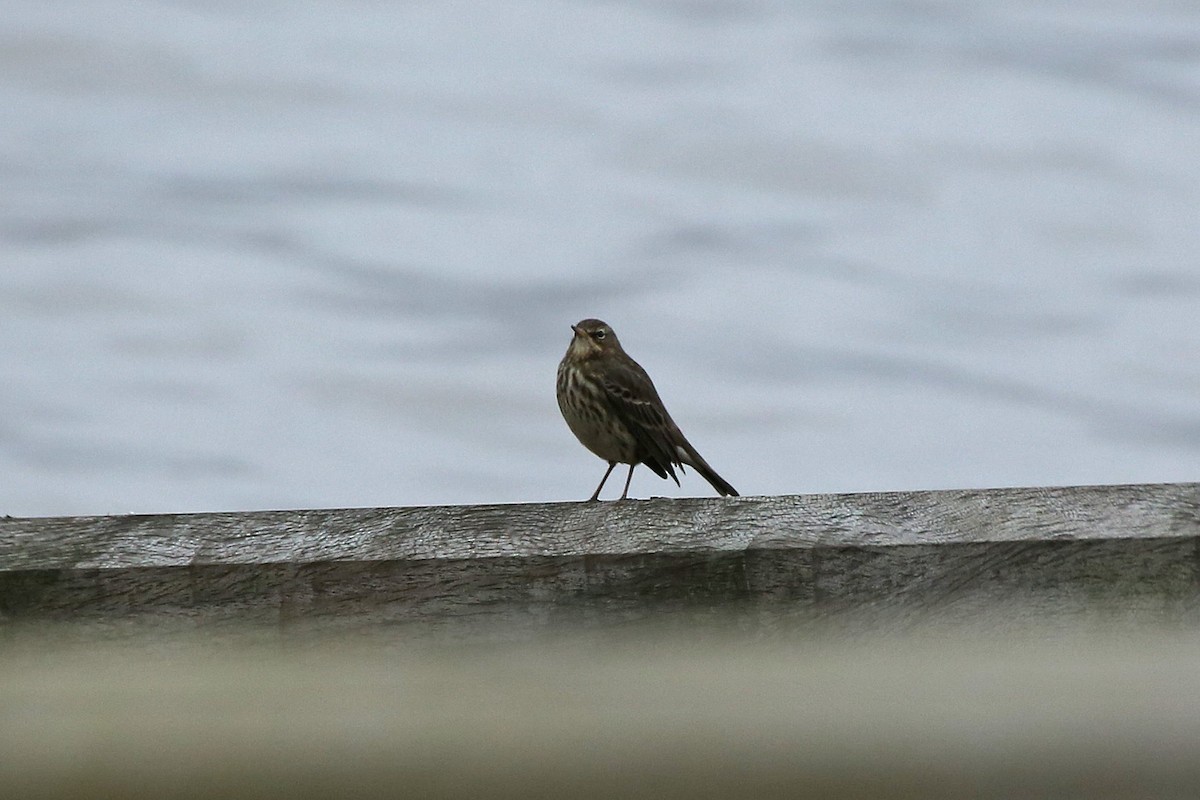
{"type": "Point", "coordinates": [593, 425]}
{"type": "Point", "coordinates": [610, 441]}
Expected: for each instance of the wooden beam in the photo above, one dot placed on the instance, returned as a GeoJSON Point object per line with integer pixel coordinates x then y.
{"type": "Point", "coordinates": [510, 571]}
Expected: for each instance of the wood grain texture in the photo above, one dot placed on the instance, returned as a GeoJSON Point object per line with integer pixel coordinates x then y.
{"type": "Point", "coordinates": [510, 571]}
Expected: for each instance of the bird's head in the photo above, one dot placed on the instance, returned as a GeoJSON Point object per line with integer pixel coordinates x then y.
{"type": "Point", "coordinates": [593, 337]}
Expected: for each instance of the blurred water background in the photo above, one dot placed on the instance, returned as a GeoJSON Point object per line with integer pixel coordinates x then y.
{"type": "Point", "coordinates": [283, 255]}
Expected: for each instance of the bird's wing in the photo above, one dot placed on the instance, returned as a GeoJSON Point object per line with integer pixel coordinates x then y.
{"type": "Point", "coordinates": [635, 401]}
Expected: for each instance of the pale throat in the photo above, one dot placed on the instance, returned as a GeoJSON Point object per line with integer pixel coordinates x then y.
{"type": "Point", "coordinates": [583, 348]}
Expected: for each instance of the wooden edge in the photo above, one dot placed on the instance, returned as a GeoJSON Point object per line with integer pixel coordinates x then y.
{"type": "Point", "coordinates": [578, 529]}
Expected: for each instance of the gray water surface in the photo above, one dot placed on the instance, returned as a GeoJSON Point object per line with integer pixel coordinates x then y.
{"type": "Point", "coordinates": [326, 254]}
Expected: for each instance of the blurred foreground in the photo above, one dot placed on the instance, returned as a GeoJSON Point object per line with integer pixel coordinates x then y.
{"type": "Point", "coordinates": [1040, 713]}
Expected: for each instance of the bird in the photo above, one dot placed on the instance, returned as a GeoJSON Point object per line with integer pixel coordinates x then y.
{"type": "Point", "coordinates": [612, 407]}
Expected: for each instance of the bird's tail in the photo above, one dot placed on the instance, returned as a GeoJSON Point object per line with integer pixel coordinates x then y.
{"type": "Point", "coordinates": [688, 455]}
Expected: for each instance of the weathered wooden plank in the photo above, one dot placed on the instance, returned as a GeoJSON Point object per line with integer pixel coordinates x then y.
{"type": "Point", "coordinates": [904, 558]}
{"type": "Point", "coordinates": [575, 529]}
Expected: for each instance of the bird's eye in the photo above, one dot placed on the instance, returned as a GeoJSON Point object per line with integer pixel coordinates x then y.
{"type": "Point", "coordinates": [600, 334]}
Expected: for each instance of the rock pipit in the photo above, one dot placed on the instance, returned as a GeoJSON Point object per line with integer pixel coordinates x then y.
{"type": "Point", "coordinates": [612, 407]}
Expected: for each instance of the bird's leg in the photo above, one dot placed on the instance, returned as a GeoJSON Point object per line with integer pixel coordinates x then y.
{"type": "Point", "coordinates": [596, 494]}
{"type": "Point", "coordinates": [628, 478]}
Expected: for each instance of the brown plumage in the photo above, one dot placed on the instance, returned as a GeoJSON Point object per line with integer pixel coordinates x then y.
{"type": "Point", "coordinates": [612, 407]}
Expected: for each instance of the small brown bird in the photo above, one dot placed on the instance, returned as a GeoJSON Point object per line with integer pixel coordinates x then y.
{"type": "Point", "coordinates": [612, 407]}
